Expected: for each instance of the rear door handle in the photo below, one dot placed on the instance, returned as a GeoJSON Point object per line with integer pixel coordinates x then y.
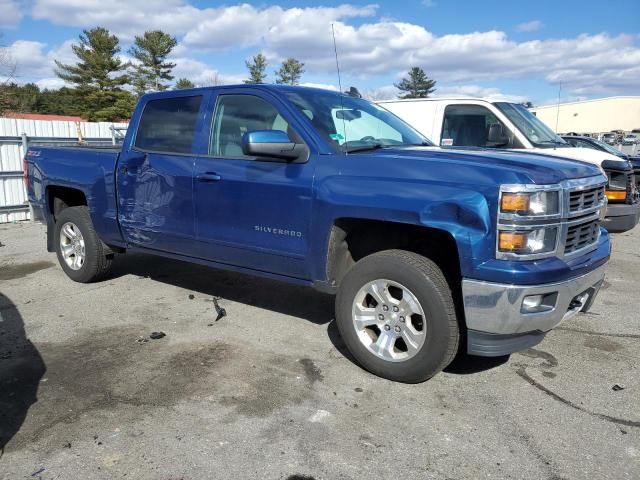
{"type": "Point", "coordinates": [208, 177]}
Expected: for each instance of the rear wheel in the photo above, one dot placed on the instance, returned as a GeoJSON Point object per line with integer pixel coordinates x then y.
{"type": "Point", "coordinates": [81, 253]}
{"type": "Point", "coordinates": [395, 312]}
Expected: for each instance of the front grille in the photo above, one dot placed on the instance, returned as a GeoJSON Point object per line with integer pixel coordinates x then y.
{"type": "Point", "coordinates": [580, 200]}
{"type": "Point", "coordinates": [582, 235]}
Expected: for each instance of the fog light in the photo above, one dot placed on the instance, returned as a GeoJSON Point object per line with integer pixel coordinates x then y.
{"type": "Point", "coordinates": [539, 303]}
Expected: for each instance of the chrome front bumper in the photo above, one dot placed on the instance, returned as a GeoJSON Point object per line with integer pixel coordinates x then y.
{"type": "Point", "coordinates": [494, 308]}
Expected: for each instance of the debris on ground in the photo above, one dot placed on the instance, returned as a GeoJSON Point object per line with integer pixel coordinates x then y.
{"type": "Point", "coordinates": [38, 472]}
{"type": "Point", "coordinates": [157, 335]}
{"type": "Point", "coordinates": [66, 445]}
{"type": "Point", "coordinates": [617, 387]}
{"type": "Point", "coordinates": [358, 389]}
{"type": "Point", "coordinates": [142, 339]}
{"type": "Point", "coordinates": [219, 310]}
{"type": "Point", "coordinates": [209, 324]}
{"type": "Point", "coordinates": [191, 296]}
{"type": "Point", "coordinates": [1, 244]}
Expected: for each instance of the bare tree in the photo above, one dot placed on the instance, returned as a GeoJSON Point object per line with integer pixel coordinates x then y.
{"type": "Point", "coordinates": [212, 81]}
{"type": "Point", "coordinates": [8, 68]}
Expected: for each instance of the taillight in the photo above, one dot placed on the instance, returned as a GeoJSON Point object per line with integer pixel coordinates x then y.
{"type": "Point", "coordinates": [25, 169]}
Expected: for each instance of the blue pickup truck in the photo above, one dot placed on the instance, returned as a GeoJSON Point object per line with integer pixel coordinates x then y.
{"type": "Point", "coordinates": [429, 252]}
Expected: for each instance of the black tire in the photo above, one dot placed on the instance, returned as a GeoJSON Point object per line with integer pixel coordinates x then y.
{"type": "Point", "coordinates": [427, 283]}
{"type": "Point", "coordinates": [97, 260]}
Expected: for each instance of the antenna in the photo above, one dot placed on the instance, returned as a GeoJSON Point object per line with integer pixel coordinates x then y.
{"type": "Point", "coordinates": [558, 109]}
{"type": "Point", "coordinates": [344, 123]}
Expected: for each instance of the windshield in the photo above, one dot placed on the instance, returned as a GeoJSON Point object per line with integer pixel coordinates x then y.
{"type": "Point", "coordinates": [351, 124]}
{"type": "Point", "coordinates": [608, 148]}
{"type": "Point", "coordinates": [531, 126]}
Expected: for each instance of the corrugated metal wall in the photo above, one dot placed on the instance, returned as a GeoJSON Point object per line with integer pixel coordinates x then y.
{"type": "Point", "coordinates": [13, 198]}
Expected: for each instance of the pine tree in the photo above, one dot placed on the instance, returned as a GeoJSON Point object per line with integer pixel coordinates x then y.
{"type": "Point", "coordinates": [152, 50]}
{"type": "Point", "coordinates": [290, 72]}
{"type": "Point", "coordinates": [418, 85]}
{"type": "Point", "coordinates": [98, 77]}
{"type": "Point", "coordinates": [257, 69]}
{"type": "Point", "coordinates": [98, 65]}
{"type": "Point", "coordinates": [183, 83]}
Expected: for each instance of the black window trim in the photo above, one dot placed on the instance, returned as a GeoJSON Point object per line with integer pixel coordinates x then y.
{"type": "Point", "coordinates": [138, 149]}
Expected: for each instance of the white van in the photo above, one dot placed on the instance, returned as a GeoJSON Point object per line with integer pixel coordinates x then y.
{"type": "Point", "coordinates": [473, 122]}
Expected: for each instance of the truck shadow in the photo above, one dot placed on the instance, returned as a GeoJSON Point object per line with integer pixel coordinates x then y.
{"type": "Point", "coordinates": [284, 298]}
{"type": "Point", "coordinates": [21, 368]}
{"type": "Point", "coordinates": [297, 301]}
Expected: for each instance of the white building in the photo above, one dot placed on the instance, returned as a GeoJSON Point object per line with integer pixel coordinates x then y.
{"type": "Point", "coordinates": [592, 116]}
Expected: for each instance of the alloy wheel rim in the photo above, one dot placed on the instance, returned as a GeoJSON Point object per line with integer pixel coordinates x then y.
{"type": "Point", "coordinates": [389, 320]}
{"type": "Point", "coordinates": [72, 246]}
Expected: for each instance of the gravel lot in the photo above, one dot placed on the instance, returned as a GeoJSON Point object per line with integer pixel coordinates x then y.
{"type": "Point", "coordinates": [268, 392]}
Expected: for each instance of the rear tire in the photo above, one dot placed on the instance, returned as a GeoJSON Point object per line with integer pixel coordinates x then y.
{"type": "Point", "coordinates": [81, 253]}
{"type": "Point", "coordinates": [395, 313]}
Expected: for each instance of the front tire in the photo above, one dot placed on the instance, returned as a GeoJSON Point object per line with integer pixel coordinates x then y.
{"type": "Point", "coordinates": [395, 313]}
{"type": "Point", "coordinates": [80, 251]}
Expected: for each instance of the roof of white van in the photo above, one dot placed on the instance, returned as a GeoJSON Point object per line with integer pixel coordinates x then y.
{"type": "Point", "coordinates": [437, 99]}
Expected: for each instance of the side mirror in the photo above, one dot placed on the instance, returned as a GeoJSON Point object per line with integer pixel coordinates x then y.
{"type": "Point", "coordinates": [497, 135]}
{"type": "Point", "coordinates": [269, 143]}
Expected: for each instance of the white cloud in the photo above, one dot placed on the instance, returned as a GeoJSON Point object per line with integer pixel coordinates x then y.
{"type": "Point", "coordinates": [532, 26]}
{"type": "Point", "coordinates": [586, 64]}
{"type": "Point", "coordinates": [53, 83]}
{"type": "Point", "coordinates": [10, 13]}
{"type": "Point", "coordinates": [201, 74]}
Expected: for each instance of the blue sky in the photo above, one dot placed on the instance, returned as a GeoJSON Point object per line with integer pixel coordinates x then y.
{"type": "Point", "coordinates": [514, 50]}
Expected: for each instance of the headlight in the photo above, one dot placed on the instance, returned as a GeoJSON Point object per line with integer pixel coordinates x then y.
{"type": "Point", "coordinates": [524, 242]}
{"type": "Point", "coordinates": [530, 203]}
{"type": "Point", "coordinates": [617, 186]}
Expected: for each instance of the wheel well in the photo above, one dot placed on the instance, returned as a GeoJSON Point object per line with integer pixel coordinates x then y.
{"type": "Point", "coordinates": [60, 198]}
{"type": "Point", "coordinates": [352, 239]}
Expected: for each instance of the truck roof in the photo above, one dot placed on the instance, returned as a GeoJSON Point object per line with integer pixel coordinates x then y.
{"type": "Point", "coordinates": [259, 86]}
{"type": "Point", "coordinates": [437, 99]}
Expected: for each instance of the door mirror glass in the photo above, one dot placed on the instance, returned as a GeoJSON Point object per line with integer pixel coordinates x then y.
{"type": "Point", "coordinates": [269, 143]}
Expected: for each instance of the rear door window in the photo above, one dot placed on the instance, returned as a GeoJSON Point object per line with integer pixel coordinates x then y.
{"type": "Point", "coordinates": [168, 125]}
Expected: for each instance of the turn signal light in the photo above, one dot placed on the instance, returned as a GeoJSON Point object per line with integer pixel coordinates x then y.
{"type": "Point", "coordinates": [510, 241]}
{"type": "Point", "coordinates": [616, 195]}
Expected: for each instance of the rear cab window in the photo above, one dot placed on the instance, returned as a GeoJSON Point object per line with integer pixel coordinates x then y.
{"type": "Point", "coordinates": [168, 125]}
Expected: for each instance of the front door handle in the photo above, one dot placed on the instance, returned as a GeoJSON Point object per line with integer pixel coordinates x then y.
{"type": "Point", "coordinates": [208, 177]}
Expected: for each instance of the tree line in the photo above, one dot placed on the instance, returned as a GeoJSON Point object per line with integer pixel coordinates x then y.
{"type": "Point", "coordinates": [102, 87]}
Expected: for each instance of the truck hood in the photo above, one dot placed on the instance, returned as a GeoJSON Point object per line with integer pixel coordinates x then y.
{"type": "Point", "coordinates": [534, 167]}
{"type": "Point", "coordinates": [589, 155]}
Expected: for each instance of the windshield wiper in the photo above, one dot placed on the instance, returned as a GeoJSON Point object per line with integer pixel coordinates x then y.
{"type": "Point", "coordinates": [364, 148]}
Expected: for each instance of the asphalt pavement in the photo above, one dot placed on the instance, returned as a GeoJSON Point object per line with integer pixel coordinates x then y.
{"type": "Point", "coordinates": [269, 392]}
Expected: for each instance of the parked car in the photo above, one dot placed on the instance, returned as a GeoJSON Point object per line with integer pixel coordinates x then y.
{"type": "Point", "coordinates": [610, 138]}
{"type": "Point", "coordinates": [426, 249]}
{"type": "Point", "coordinates": [631, 139]}
{"type": "Point", "coordinates": [634, 162]}
{"type": "Point", "coordinates": [468, 122]}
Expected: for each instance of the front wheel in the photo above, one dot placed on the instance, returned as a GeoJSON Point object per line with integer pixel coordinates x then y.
{"type": "Point", "coordinates": [80, 251]}
{"type": "Point", "coordinates": [395, 313]}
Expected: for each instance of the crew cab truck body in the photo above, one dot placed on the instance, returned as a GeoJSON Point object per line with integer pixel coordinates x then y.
{"type": "Point", "coordinates": [471, 122]}
{"type": "Point", "coordinates": [426, 249]}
